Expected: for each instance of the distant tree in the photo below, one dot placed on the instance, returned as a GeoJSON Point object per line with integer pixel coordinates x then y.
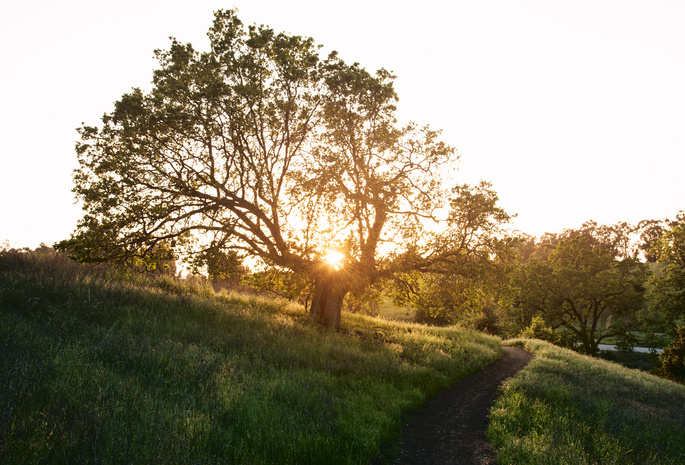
{"type": "Point", "coordinates": [576, 287]}
{"type": "Point", "coordinates": [223, 268]}
{"type": "Point", "coordinates": [528, 246]}
{"type": "Point", "coordinates": [161, 259]}
{"type": "Point", "coordinates": [666, 293]}
{"type": "Point", "coordinates": [614, 238]}
{"type": "Point", "coordinates": [672, 359]}
{"type": "Point", "coordinates": [262, 147]}
{"type": "Point", "coordinates": [543, 247]}
{"type": "Point", "coordinates": [650, 231]}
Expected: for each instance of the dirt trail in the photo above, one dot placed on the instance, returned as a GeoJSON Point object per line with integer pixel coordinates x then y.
{"type": "Point", "coordinates": [450, 428]}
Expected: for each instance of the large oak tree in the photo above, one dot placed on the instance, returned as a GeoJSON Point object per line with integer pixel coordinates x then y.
{"type": "Point", "coordinates": [262, 146]}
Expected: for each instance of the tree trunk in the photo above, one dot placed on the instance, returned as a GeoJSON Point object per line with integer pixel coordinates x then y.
{"type": "Point", "coordinates": [329, 292]}
{"type": "Point", "coordinates": [589, 343]}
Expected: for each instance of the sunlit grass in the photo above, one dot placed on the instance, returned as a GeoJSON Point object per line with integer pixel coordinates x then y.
{"type": "Point", "coordinates": [390, 311]}
{"type": "Point", "coordinates": [566, 408]}
{"type": "Point", "coordinates": [100, 368]}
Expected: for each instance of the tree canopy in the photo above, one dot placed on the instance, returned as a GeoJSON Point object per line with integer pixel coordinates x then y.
{"type": "Point", "coordinates": [577, 287]}
{"type": "Point", "coordinates": [262, 146]}
{"type": "Point", "coordinates": [473, 281]}
{"type": "Point", "coordinates": [667, 286]}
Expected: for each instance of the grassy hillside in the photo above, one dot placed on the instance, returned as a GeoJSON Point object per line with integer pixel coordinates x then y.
{"type": "Point", "coordinates": [102, 368]}
{"type": "Point", "coordinates": [566, 408]}
{"type": "Point", "coordinates": [99, 367]}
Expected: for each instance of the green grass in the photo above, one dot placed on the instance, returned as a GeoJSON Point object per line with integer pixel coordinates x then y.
{"type": "Point", "coordinates": [100, 368]}
{"type": "Point", "coordinates": [390, 311]}
{"type": "Point", "coordinates": [566, 408]}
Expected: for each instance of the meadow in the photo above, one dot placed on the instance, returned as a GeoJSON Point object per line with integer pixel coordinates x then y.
{"type": "Point", "coordinates": [100, 367]}
{"type": "Point", "coordinates": [567, 408]}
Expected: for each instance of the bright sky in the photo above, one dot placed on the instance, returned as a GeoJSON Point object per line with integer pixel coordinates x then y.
{"type": "Point", "coordinates": [573, 109]}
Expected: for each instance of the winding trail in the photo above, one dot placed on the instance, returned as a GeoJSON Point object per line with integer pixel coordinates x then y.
{"type": "Point", "coordinates": [450, 428]}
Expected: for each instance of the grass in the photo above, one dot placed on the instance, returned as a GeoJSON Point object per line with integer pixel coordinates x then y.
{"type": "Point", "coordinates": [566, 408]}
{"type": "Point", "coordinates": [102, 368]}
{"type": "Point", "coordinates": [390, 311]}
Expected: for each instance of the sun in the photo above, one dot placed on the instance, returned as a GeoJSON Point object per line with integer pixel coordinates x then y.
{"type": "Point", "coordinates": [334, 258]}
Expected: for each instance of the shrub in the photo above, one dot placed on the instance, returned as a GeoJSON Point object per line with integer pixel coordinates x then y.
{"type": "Point", "coordinates": [672, 359]}
{"type": "Point", "coordinates": [539, 330]}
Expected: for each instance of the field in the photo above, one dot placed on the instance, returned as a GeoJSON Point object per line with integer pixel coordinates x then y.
{"type": "Point", "coordinates": [566, 408]}
{"type": "Point", "coordinates": [100, 368]}
{"type": "Point", "coordinates": [103, 367]}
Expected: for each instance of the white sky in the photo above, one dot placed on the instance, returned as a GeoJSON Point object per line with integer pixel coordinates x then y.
{"type": "Point", "coordinates": [573, 109]}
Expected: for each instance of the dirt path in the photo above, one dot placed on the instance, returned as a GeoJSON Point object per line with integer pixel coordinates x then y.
{"type": "Point", "coordinates": [450, 428]}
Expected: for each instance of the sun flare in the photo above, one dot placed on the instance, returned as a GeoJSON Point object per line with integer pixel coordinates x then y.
{"type": "Point", "coordinates": [334, 258]}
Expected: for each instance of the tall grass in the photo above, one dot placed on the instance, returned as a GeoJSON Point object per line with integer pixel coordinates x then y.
{"type": "Point", "coordinates": [100, 367]}
{"type": "Point", "coordinates": [566, 408]}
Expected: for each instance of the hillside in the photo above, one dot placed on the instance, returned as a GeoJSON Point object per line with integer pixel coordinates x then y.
{"type": "Point", "coordinates": [103, 367]}
{"type": "Point", "coordinates": [567, 408]}
{"type": "Point", "coordinates": [100, 367]}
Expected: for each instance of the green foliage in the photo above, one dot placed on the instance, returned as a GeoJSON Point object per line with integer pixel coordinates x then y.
{"type": "Point", "coordinates": [223, 268]}
{"type": "Point", "coordinates": [366, 301]}
{"type": "Point", "coordinates": [566, 408]}
{"type": "Point", "coordinates": [577, 286]}
{"type": "Point", "coordinates": [666, 294]}
{"type": "Point", "coordinates": [617, 240]}
{"type": "Point", "coordinates": [297, 287]}
{"type": "Point", "coordinates": [650, 232]}
{"type": "Point", "coordinates": [100, 368]}
{"type": "Point", "coordinates": [539, 330]}
{"type": "Point", "coordinates": [219, 264]}
{"type": "Point", "coordinates": [672, 359]}
{"type": "Point", "coordinates": [670, 247]}
{"type": "Point", "coordinates": [469, 279]}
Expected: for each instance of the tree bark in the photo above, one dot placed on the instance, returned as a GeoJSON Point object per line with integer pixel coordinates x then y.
{"type": "Point", "coordinates": [329, 293]}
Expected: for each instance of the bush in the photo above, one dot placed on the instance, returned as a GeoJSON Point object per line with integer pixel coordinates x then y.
{"type": "Point", "coordinates": [672, 359]}
{"type": "Point", "coordinates": [539, 330]}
